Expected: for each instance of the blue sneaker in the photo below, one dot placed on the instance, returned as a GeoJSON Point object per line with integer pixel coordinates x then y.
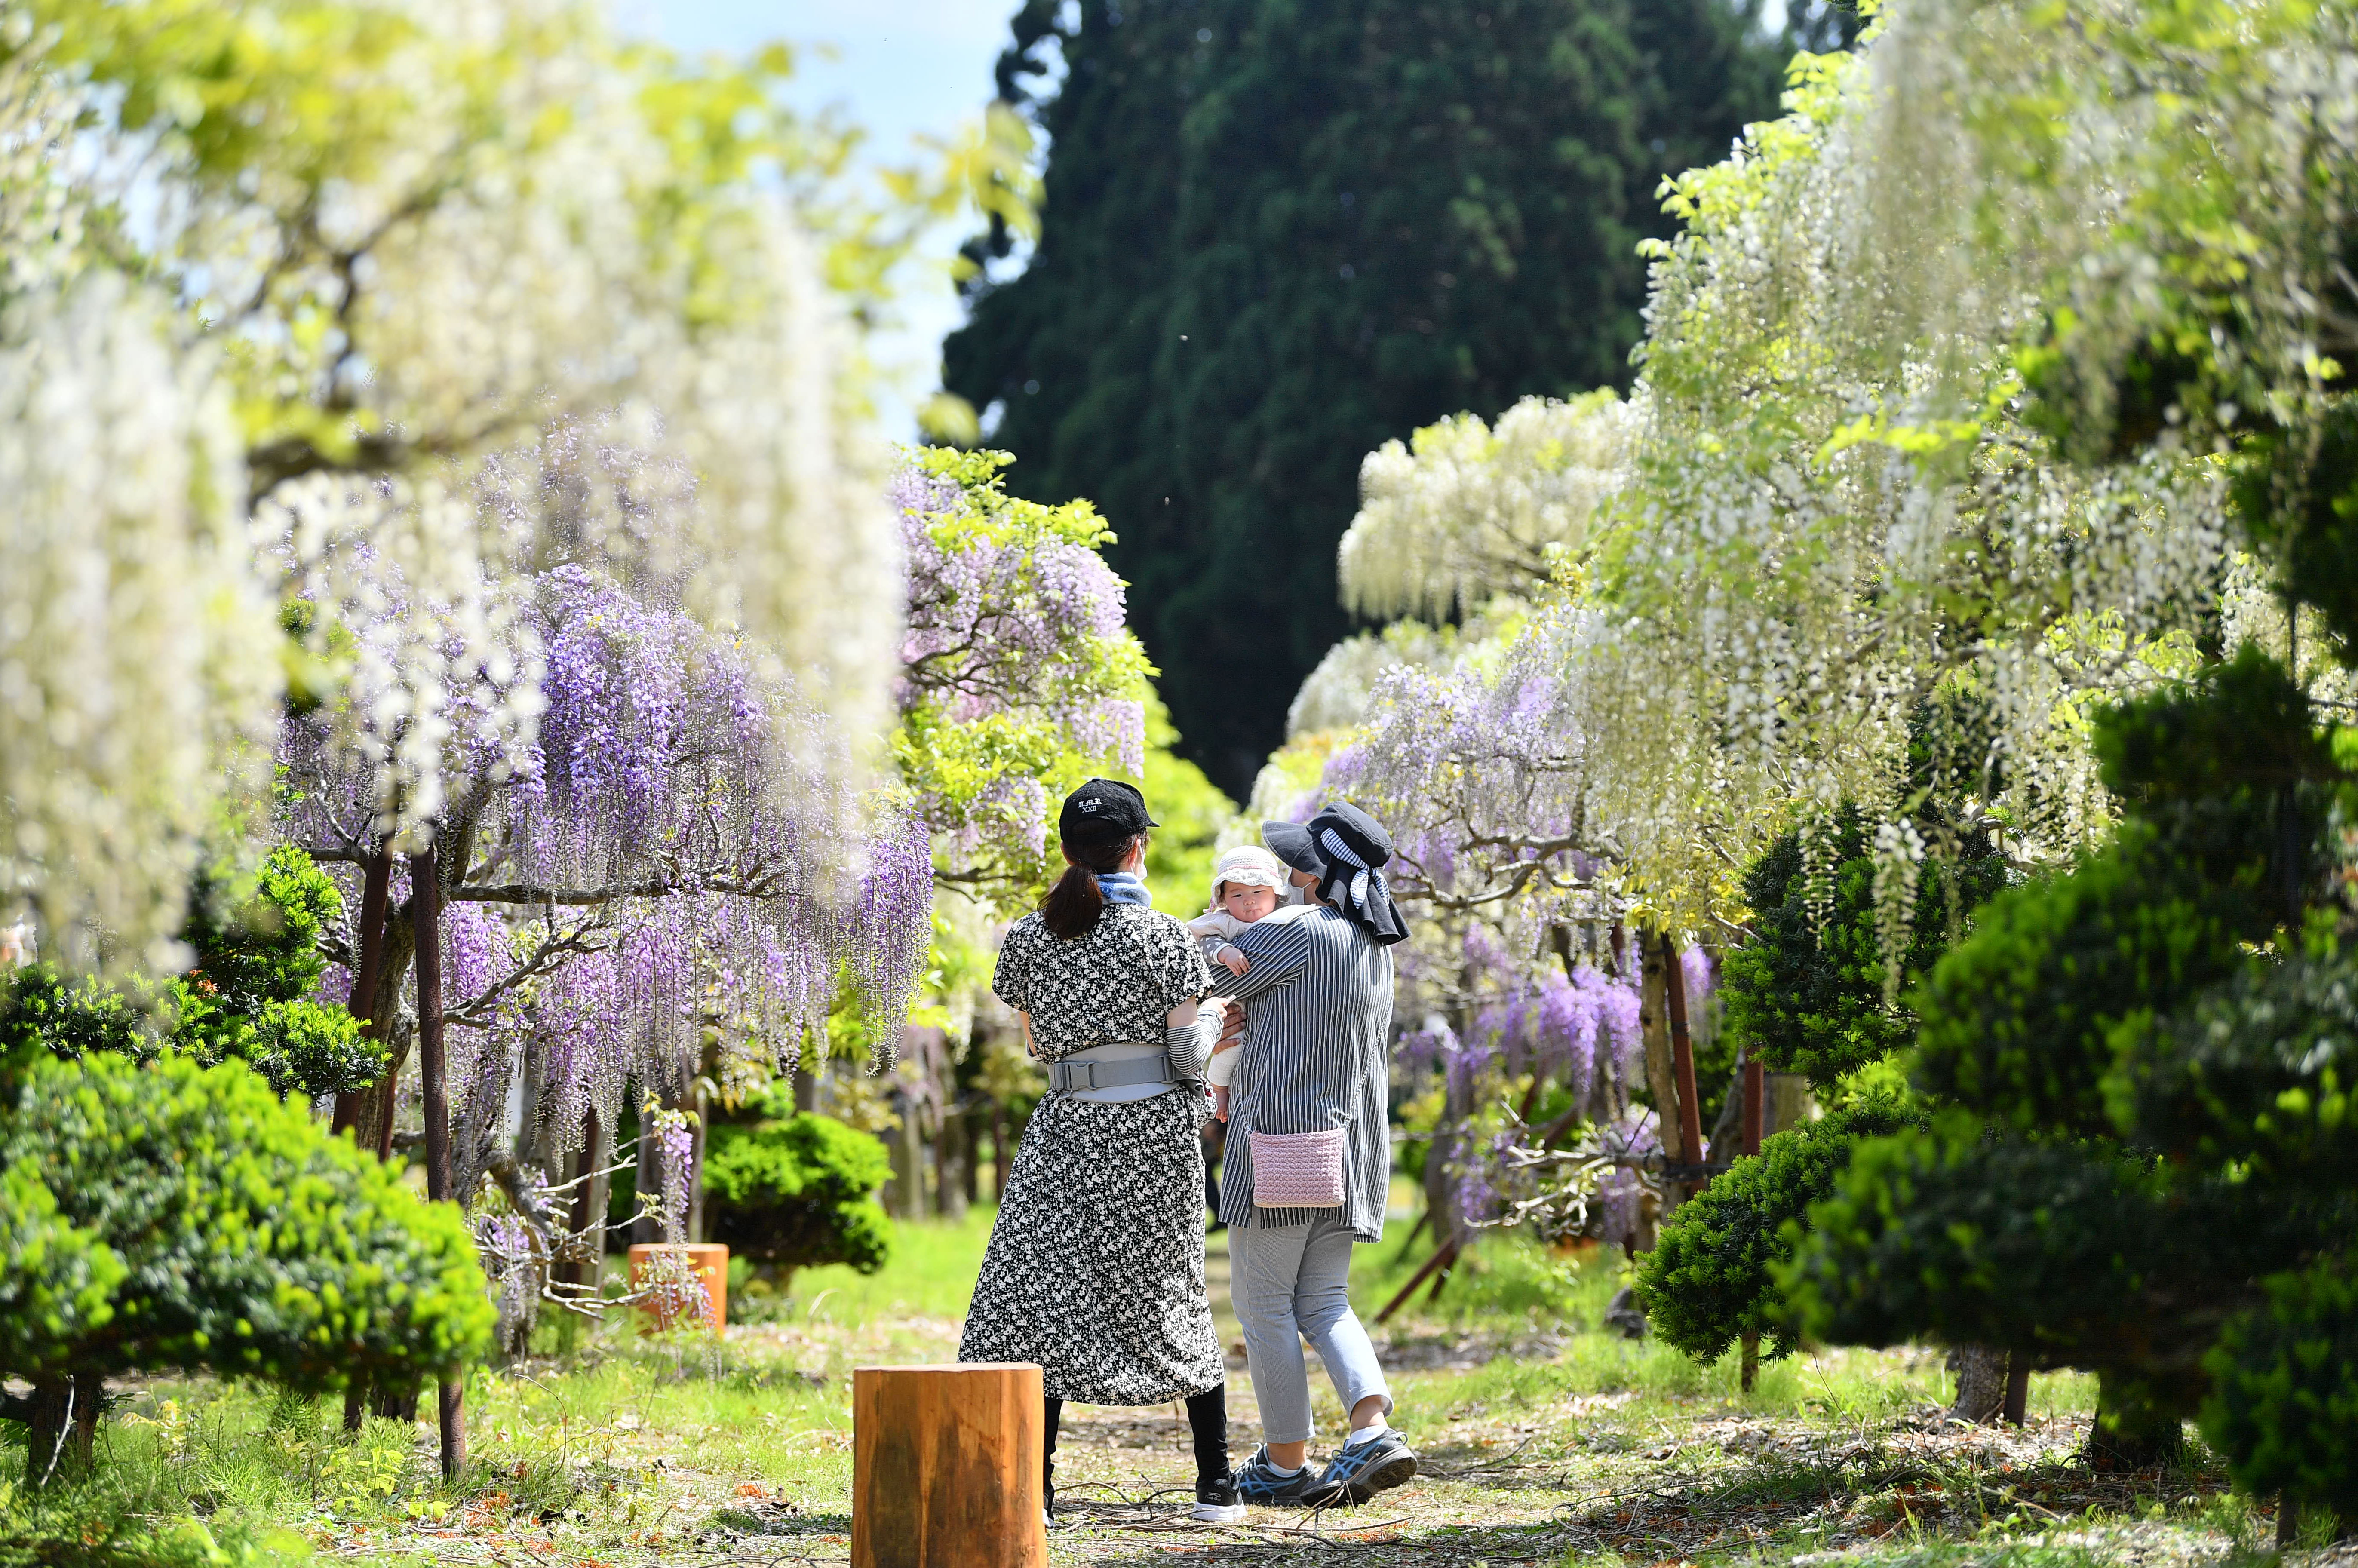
{"type": "Point", "coordinates": [1258, 1481]}
{"type": "Point", "coordinates": [1363, 1469]}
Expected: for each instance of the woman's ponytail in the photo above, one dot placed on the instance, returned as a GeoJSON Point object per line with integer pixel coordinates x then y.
{"type": "Point", "coordinates": [1074, 904]}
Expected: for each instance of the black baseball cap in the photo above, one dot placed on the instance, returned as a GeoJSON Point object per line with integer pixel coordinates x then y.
{"type": "Point", "coordinates": [1103, 809]}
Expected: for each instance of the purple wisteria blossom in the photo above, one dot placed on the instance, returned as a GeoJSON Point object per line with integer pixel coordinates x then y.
{"type": "Point", "coordinates": [1018, 672]}
{"type": "Point", "coordinates": [668, 849]}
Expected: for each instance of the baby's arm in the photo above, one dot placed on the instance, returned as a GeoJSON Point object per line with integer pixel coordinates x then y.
{"type": "Point", "coordinates": [1217, 949]}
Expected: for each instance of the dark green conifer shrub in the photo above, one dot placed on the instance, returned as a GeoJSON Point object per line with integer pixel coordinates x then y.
{"type": "Point", "coordinates": [2284, 1390]}
{"type": "Point", "coordinates": [2144, 1057]}
{"type": "Point", "coordinates": [248, 998]}
{"type": "Point", "coordinates": [1806, 994]}
{"type": "Point", "coordinates": [1711, 1277]}
{"type": "Point", "coordinates": [243, 1238]}
{"type": "Point", "coordinates": [796, 1190]}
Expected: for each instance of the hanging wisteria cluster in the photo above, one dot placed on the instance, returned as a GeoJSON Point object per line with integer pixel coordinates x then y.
{"type": "Point", "coordinates": [1480, 772]}
{"type": "Point", "coordinates": [1837, 529]}
{"type": "Point", "coordinates": [138, 661]}
{"type": "Point", "coordinates": [1467, 511]}
{"type": "Point", "coordinates": [1841, 530]}
{"type": "Point", "coordinates": [351, 308]}
{"type": "Point", "coordinates": [1019, 677]}
{"type": "Point", "coordinates": [654, 862]}
{"type": "Point", "coordinates": [1578, 1030]}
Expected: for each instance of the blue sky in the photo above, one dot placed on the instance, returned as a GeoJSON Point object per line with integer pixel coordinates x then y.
{"type": "Point", "coordinates": [901, 68]}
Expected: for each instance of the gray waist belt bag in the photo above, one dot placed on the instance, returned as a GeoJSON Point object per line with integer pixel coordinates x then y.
{"type": "Point", "coordinates": [1068, 1077]}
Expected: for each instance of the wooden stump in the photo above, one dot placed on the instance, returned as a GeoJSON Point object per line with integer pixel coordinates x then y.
{"type": "Point", "coordinates": [709, 1260]}
{"type": "Point", "coordinates": [946, 1467]}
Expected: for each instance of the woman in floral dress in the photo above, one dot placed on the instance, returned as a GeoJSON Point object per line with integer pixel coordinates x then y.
{"type": "Point", "coordinates": [1096, 1265]}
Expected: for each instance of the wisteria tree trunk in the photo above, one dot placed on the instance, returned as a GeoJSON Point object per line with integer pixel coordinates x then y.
{"type": "Point", "coordinates": [1981, 1384]}
{"type": "Point", "coordinates": [1002, 1152]}
{"type": "Point", "coordinates": [950, 1162]}
{"type": "Point", "coordinates": [426, 900]}
{"type": "Point", "coordinates": [375, 1112]}
{"type": "Point", "coordinates": [62, 1433]}
{"type": "Point", "coordinates": [368, 969]}
{"type": "Point", "coordinates": [588, 1216]}
{"type": "Point", "coordinates": [908, 1150]}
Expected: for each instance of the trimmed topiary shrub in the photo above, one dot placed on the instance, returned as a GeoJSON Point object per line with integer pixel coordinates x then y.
{"type": "Point", "coordinates": [2284, 1391]}
{"type": "Point", "coordinates": [797, 1191]}
{"type": "Point", "coordinates": [248, 998]}
{"type": "Point", "coordinates": [1711, 1277]}
{"type": "Point", "coordinates": [2144, 1058]}
{"type": "Point", "coordinates": [248, 1241]}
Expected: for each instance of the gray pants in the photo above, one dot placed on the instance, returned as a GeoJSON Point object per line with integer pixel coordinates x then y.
{"type": "Point", "coordinates": [1287, 1286]}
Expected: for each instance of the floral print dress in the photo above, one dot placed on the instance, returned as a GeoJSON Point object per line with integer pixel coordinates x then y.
{"type": "Point", "coordinates": [1095, 1264]}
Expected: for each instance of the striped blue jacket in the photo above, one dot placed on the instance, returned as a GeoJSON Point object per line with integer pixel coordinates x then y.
{"type": "Point", "coordinates": [1318, 1011]}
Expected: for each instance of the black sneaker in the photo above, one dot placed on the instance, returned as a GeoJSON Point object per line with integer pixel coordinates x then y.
{"type": "Point", "coordinates": [1361, 1470]}
{"type": "Point", "coordinates": [1259, 1482]}
{"type": "Point", "coordinates": [1217, 1501]}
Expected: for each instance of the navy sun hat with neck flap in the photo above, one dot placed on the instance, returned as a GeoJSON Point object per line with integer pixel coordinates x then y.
{"type": "Point", "coordinates": [1346, 851]}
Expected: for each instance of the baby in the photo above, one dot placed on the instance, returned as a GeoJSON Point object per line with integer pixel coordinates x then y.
{"type": "Point", "coordinates": [1248, 885]}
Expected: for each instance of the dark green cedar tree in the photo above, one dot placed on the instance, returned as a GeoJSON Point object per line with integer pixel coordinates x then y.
{"type": "Point", "coordinates": [1275, 235]}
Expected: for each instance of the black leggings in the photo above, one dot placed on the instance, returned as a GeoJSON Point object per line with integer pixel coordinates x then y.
{"type": "Point", "coordinates": [1207, 1424]}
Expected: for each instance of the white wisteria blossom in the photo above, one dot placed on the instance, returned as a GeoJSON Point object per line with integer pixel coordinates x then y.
{"type": "Point", "coordinates": [1465, 512]}
{"type": "Point", "coordinates": [137, 664]}
{"type": "Point", "coordinates": [1841, 534]}
{"type": "Point", "coordinates": [306, 328]}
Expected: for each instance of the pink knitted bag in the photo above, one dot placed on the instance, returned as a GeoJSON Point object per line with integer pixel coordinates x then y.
{"type": "Point", "coordinates": [1298, 1170]}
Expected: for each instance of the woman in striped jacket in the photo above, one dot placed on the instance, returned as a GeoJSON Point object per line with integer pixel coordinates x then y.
{"type": "Point", "coordinates": [1317, 995]}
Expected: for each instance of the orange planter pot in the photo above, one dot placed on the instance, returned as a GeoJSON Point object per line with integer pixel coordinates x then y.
{"type": "Point", "coordinates": [710, 1259]}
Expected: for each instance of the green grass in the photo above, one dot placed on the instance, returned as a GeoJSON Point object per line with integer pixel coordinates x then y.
{"type": "Point", "coordinates": [659, 1450]}
{"type": "Point", "coordinates": [930, 1274]}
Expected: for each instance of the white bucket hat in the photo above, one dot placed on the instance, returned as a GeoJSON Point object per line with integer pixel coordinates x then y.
{"type": "Point", "coordinates": [1249, 865]}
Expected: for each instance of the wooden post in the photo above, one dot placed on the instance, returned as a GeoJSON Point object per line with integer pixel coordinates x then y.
{"type": "Point", "coordinates": [946, 1466]}
{"type": "Point", "coordinates": [1682, 1059]}
{"type": "Point", "coordinates": [1755, 1104]}
{"type": "Point", "coordinates": [368, 967]}
{"type": "Point", "coordinates": [425, 906]}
